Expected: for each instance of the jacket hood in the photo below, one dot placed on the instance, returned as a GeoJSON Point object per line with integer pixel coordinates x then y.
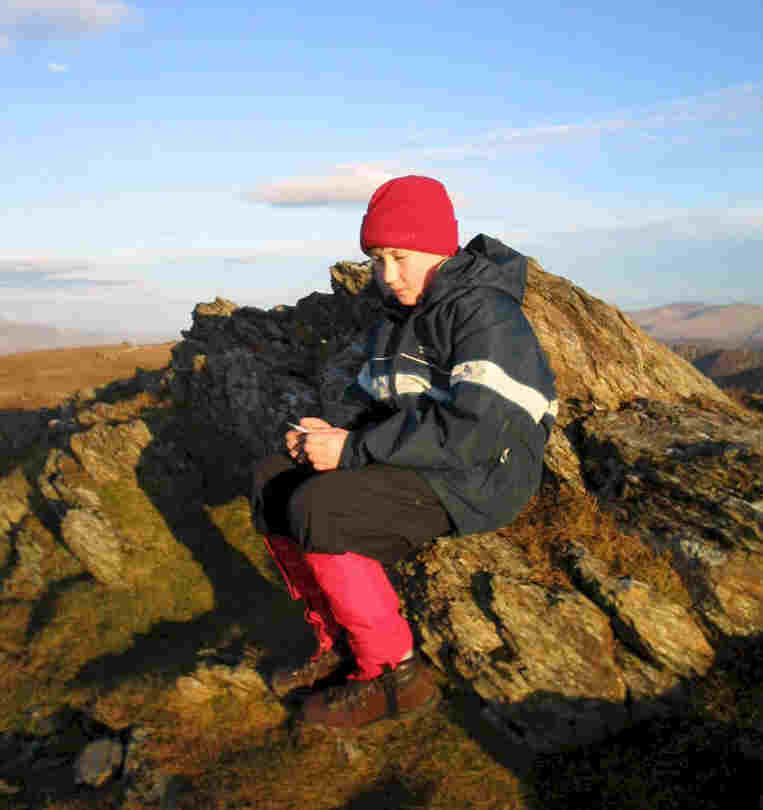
{"type": "Point", "coordinates": [484, 262]}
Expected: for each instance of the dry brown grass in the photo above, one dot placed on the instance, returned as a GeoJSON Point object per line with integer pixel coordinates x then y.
{"type": "Point", "coordinates": [552, 521]}
{"type": "Point", "coordinates": [42, 379]}
{"type": "Point", "coordinates": [428, 761]}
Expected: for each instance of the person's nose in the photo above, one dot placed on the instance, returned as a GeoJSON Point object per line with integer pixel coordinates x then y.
{"type": "Point", "coordinates": [390, 271]}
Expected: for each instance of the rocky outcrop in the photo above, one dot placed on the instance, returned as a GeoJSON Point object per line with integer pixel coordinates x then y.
{"type": "Point", "coordinates": [567, 626]}
{"type": "Point", "coordinates": [694, 501]}
{"type": "Point", "coordinates": [246, 372]}
{"type": "Point", "coordinates": [659, 445]}
{"type": "Point", "coordinates": [84, 508]}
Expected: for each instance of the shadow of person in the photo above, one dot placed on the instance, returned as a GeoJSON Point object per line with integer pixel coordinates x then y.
{"type": "Point", "coordinates": [185, 484]}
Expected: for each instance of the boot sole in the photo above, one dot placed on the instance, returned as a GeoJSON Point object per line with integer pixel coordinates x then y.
{"type": "Point", "coordinates": [342, 668]}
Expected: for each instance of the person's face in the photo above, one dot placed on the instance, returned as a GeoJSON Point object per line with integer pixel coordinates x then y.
{"type": "Point", "coordinates": [405, 273]}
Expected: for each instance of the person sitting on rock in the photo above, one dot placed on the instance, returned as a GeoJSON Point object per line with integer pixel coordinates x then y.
{"type": "Point", "coordinates": [443, 432]}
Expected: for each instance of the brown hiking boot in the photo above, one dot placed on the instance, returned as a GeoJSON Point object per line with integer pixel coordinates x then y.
{"type": "Point", "coordinates": [358, 703]}
{"type": "Point", "coordinates": [323, 664]}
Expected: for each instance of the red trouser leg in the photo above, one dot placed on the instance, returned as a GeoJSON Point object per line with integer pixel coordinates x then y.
{"type": "Point", "coordinates": [364, 602]}
{"type": "Point", "coordinates": [301, 582]}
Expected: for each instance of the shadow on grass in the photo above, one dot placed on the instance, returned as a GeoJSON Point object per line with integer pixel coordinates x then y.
{"type": "Point", "coordinates": [20, 431]}
{"type": "Point", "coordinates": [262, 614]}
{"type": "Point", "coordinates": [392, 790]}
{"type": "Point", "coordinates": [694, 747]}
{"type": "Point", "coordinates": [45, 607]}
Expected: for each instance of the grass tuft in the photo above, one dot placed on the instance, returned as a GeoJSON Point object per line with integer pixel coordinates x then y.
{"type": "Point", "coordinates": [551, 521]}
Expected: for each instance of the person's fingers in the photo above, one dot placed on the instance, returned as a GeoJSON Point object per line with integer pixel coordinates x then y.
{"type": "Point", "coordinates": [295, 443]}
{"type": "Point", "coordinates": [314, 423]}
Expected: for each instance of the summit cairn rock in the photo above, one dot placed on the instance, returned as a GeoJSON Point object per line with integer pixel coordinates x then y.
{"type": "Point", "coordinates": [245, 372]}
{"type": "Point", "coordinates": [596, 639]}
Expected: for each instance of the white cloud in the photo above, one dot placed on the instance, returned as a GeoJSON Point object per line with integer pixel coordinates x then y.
{"type": "Point", "coordinates": [27, 17]}
{"type": "Point", "coordinates": [57, 67]}
{"type": "Point", "coordinates": [27, 273]}
{"type": "Point", "coordinates": [701, 225]}
{"type": "Point", "coordinates": [113, 266]}
{"type": "Point", "coordinates": [710, 255]}
{"type": "Point", "coordinates": [721, 108]}
{"type": "Point", "coordinates": [5, 42]}
{"type": "Point", "coordinates": [131, 311]}
{"type": "Point", "coordinates": [347, 184]}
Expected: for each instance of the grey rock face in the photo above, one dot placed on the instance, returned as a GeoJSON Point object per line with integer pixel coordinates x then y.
{"type": "Point", "coordinates": [245, 372]}
{"type": "Point", "coordinates": [687, 480]}
{"type": "Point", "coordinates": [543, 660]}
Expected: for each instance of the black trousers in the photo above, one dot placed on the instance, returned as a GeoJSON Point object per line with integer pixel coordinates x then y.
{"type": "Point", "coordinates": [379, 511]}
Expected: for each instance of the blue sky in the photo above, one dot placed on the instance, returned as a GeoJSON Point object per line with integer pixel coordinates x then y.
{"type": "Point", "coordinates": [159, 154]}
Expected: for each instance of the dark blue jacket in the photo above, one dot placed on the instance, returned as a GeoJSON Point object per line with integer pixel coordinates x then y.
{"type": "Point", "coordinates": [458, 388]}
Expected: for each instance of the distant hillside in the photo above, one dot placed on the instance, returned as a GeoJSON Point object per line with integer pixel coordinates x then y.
{"type": "Point", "coordinates": [723, 326]}
{"type": "Point", "coordinates": [728, 368]}
{"type": "Point", "coordinates": [46, 377]}
{"type": "Point", "coordinates": [26, 337]}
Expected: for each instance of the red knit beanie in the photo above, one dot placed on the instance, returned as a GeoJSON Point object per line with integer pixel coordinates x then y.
{"type": "Point", "coordinates": [411, 212]}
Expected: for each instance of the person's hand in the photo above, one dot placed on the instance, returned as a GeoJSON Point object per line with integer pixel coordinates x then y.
{"type": "Point", "coordinates": [321, 447]}
{"type": "Point", "coordinates": [314, 423]}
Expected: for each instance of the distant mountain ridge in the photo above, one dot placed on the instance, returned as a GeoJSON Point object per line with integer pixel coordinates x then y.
{"type": "Point", "coordinates": [722, 325]}
{"type": "Point", "coordinates": [26, 337]}
{"type": "Point", "coordinates": [727, 368]}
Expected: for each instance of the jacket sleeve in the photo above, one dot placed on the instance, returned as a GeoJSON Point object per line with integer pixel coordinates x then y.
{"type": "Point", "coordinates": [500, 388]}
{"type": "Point", "coordinates": [356, 409]}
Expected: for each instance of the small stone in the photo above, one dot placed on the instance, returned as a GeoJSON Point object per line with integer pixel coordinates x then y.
{"type": "Point", "coordinates": [97, 761]}
{"type": "Point", "coordinates": [348, 749]}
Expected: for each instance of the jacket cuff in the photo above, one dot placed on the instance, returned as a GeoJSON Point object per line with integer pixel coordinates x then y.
{"type": "Point", "coordinates": [347, 458]}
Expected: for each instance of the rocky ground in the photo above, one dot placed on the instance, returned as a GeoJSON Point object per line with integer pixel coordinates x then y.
{"type": "Point", "coordinates": [586, 654]}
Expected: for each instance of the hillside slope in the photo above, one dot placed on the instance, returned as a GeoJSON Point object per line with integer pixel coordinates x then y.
{"type": "Point", "coordinates": [740, 369]}
{"type": "Point", "coordinates": [18, 337]}
{"type": "Point", "coordinates": [730, 325]}
{"type": "Point", "coordinates": [44, 378]}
